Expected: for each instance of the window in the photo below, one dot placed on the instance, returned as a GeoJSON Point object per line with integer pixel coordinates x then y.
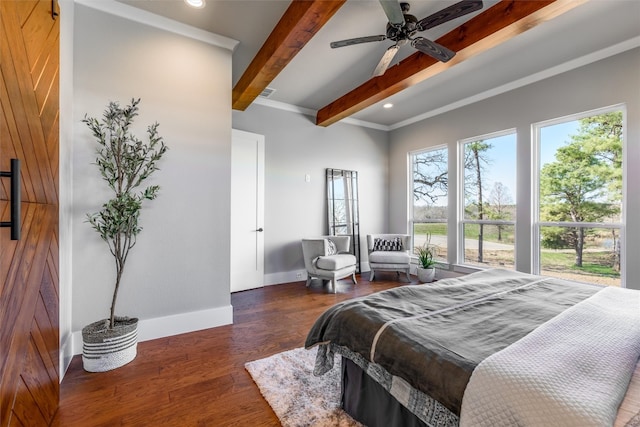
{"type": "Point", "coordinates": [487, 200]}
{"type": "Point", "coordinates": [578, 210]}
{"type": "Point", "coordinates": [429, 190]}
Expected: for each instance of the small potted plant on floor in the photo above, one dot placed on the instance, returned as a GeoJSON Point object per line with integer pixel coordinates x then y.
{"type": "Point", "coordinates": [426, 270]}
{"type": "Point", "coordinates": [124, 162]}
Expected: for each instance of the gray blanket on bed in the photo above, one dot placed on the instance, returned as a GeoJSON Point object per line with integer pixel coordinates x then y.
{"type": "Point", "coordinates": [434, 335]}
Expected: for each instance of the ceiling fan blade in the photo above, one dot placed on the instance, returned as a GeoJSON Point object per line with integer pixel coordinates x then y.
{"type": "Point", "coordinates": [393, 11]}
{"type": "Point", "coordinates": [357, 40]}
{"type": "Point", "coordinates": [448, 13]}
{"type": "Point", "coordinates": [386, 60]}
{"type": "Point", "coordinates": [433, 49]}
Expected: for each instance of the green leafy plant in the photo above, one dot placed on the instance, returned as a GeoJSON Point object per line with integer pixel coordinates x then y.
{"type": "Point", "coordinates": [425, 253]}
{"type": "Point", "coordinates": [425, 256]}
{"type": "Point", "coordinates": [125, 162]}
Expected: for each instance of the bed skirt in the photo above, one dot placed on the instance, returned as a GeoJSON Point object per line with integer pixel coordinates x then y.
{"type": "Point", "coordinates": [383, 393]}
{"type": "Point", "coordinates": [369, 403]}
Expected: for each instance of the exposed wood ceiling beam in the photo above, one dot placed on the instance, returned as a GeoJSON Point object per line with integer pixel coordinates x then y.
{"type": "Point", "coordinates": [300, 22]}
{"type": "Point", "coordinates": [496, 25]}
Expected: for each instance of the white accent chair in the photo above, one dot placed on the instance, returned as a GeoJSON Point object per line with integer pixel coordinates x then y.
{"type": "Point", "coordinates": [322, 264]}
{"type": "Point", "coordinates": [389, 260]}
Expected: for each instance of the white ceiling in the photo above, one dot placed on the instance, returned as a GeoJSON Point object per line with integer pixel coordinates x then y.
{"type": "Point", "coordinates": [318, 74]}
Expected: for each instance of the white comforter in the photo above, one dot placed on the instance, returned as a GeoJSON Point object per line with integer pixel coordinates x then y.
{"type": "Point", "coordinates": [571, 371]}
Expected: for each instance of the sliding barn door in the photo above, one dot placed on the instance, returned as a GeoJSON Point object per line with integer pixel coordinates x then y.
{"type": "Point", "coordinates": [29, 65]}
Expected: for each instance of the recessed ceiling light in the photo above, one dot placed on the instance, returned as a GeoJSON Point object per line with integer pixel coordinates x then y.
{"type": "Point", "coordinates": [388, 105]}
{"type": "Point", "coordinates": [198, 4]}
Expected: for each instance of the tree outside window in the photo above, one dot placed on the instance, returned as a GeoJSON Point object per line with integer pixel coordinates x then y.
{"type": "Point", "coordinates": [580, 198]}
{"type": "Point", "coordinates": [430, 192]}
{"type": "Point", "coordinates": [487, 235]}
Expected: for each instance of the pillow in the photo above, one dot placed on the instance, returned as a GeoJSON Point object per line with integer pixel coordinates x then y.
{"type": "Point", "coordinates": [394, 244]}
{"type": "Point", "coordinates": [332, 248]}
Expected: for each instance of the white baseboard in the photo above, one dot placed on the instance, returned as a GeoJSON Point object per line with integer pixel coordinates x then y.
{"type": "Point", "coordinates": [296, 276]}
{"type": "Point", "coordinates": [66, 354]}
{"type": "Point", "coordinates": [364, 267]}
{"type": "Point", "coordinates": [285, 277]}
{"type": "Point", "coordinates": [160, 327]}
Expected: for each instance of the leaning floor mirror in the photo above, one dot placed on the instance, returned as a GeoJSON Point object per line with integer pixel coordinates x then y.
{"type": "Point", "coordinates": [342, 207]}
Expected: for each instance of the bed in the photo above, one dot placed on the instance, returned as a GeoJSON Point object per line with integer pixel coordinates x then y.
{"type": "Point", "coordinates": [491, 348]}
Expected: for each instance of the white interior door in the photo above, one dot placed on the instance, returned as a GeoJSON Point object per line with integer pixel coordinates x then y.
{"type": "Point", "coordinates": [247, 211]}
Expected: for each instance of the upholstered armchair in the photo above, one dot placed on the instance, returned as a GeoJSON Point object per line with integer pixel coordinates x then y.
{"type": "Point", "coordinates": [328, 258]}
{"type": "Point", "coordinates": [389, 252]}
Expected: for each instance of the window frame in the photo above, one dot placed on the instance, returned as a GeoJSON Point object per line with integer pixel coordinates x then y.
{"type": "Point", "coordinates": [460, 191]}
{"type": "Point", "coordinates": [536, 224]}
{"type": "Point", "coordinates": [410, 208]}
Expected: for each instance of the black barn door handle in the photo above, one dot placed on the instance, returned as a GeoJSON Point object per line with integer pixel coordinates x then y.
{"type": "Point", "coordinates": [14, 174]}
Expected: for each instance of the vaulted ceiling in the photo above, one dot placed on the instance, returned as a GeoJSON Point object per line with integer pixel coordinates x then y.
{"type": "Point", "coordinates": [304, 18]}
{"type": "Point", "coordinates": [285, 46]}
{"type": "Point", "coordinates": [300, 22]}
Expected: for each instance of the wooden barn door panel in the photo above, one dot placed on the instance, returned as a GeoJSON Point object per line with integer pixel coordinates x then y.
{"type": "Point", "coordinates": [29, 335]}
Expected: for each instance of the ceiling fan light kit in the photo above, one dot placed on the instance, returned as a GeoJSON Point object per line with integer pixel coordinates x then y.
{"type": "Point", "coordinates": [402, 28]}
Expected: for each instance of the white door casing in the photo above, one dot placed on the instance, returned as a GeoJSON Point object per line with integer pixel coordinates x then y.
{"type": "Point", "coordinates": [247, 211]}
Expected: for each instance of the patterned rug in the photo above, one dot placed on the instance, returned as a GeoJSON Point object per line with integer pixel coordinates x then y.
{"type": "Point", "coordinates": [634, 422]}
{"type": "Point", "coordinates": [298, 397]}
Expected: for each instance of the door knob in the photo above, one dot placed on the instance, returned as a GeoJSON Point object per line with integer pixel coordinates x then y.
{"type": "Point", "coordinates": [14, 174]}
{"type": "Point", "coordinates": [260, 230]}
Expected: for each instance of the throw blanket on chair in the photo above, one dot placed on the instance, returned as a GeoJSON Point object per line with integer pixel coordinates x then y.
{"type": "Point", "coordinates": [571, 371]}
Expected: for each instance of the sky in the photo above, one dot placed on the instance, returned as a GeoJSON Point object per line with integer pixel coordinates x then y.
{"type": "Point", "coordinates": [503, 152]}
{"type": "Point", "coordinates": [502, 167]}
{"type": "Point", "coordinates": [555, 136]}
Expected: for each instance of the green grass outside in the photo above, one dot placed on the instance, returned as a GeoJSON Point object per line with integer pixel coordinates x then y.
{"type": "Point", "coordinates": [434, 229]}
{"type": "Point", "coordinates": [490, 232]}
{"type": "Point", "coordinates": [595, 263]}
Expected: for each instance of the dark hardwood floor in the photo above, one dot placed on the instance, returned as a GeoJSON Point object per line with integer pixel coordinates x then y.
{"type": "Point", "coordinates": [198, 379]}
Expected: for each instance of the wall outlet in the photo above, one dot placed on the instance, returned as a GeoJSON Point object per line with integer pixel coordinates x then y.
{"type": "Point", "coordinates": [298, 275]}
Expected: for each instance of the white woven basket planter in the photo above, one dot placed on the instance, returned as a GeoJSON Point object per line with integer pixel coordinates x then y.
{"type": "Point", "coordinates": [104, 349]}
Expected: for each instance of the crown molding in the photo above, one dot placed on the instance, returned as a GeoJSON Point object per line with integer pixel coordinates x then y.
{"type": "Point", "coordinates": [131, 13]}
{"type": "Point", "coordinates": [533, 78]}
{"type": "Point", "coordinates": [312, 113]}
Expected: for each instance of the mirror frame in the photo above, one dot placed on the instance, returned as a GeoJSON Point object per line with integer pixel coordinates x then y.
{"type": "Point", "coordinates": [342, 200]}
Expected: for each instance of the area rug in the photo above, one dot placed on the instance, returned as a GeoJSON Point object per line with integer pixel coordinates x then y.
{"type": "Point", "coordinates": [634, 422]}
{"type": "Point", "coordinates": [298, 397]}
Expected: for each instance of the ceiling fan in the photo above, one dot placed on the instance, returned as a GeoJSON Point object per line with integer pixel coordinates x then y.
{"type": "Point", "coordinates": [402, 28]}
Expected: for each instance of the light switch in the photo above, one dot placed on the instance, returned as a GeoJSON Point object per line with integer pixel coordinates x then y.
{"type": "Point", "coordinates": [307, 178]}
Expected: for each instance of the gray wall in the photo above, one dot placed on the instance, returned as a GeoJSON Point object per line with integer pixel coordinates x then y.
{"type": "Point", "coordinates": [180, 263]}
{"type": "Point", "coordinates": [294, 147]}
{"type": "Point", "coordinates": [611, 81]}
{"type": "Point", "coordinates": [177, 277]}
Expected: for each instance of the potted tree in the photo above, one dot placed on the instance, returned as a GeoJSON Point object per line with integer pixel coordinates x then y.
{"type": "Point", "coordinates": [125, 162]}
{"type": "Point", "coordinates": [426, 269]}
